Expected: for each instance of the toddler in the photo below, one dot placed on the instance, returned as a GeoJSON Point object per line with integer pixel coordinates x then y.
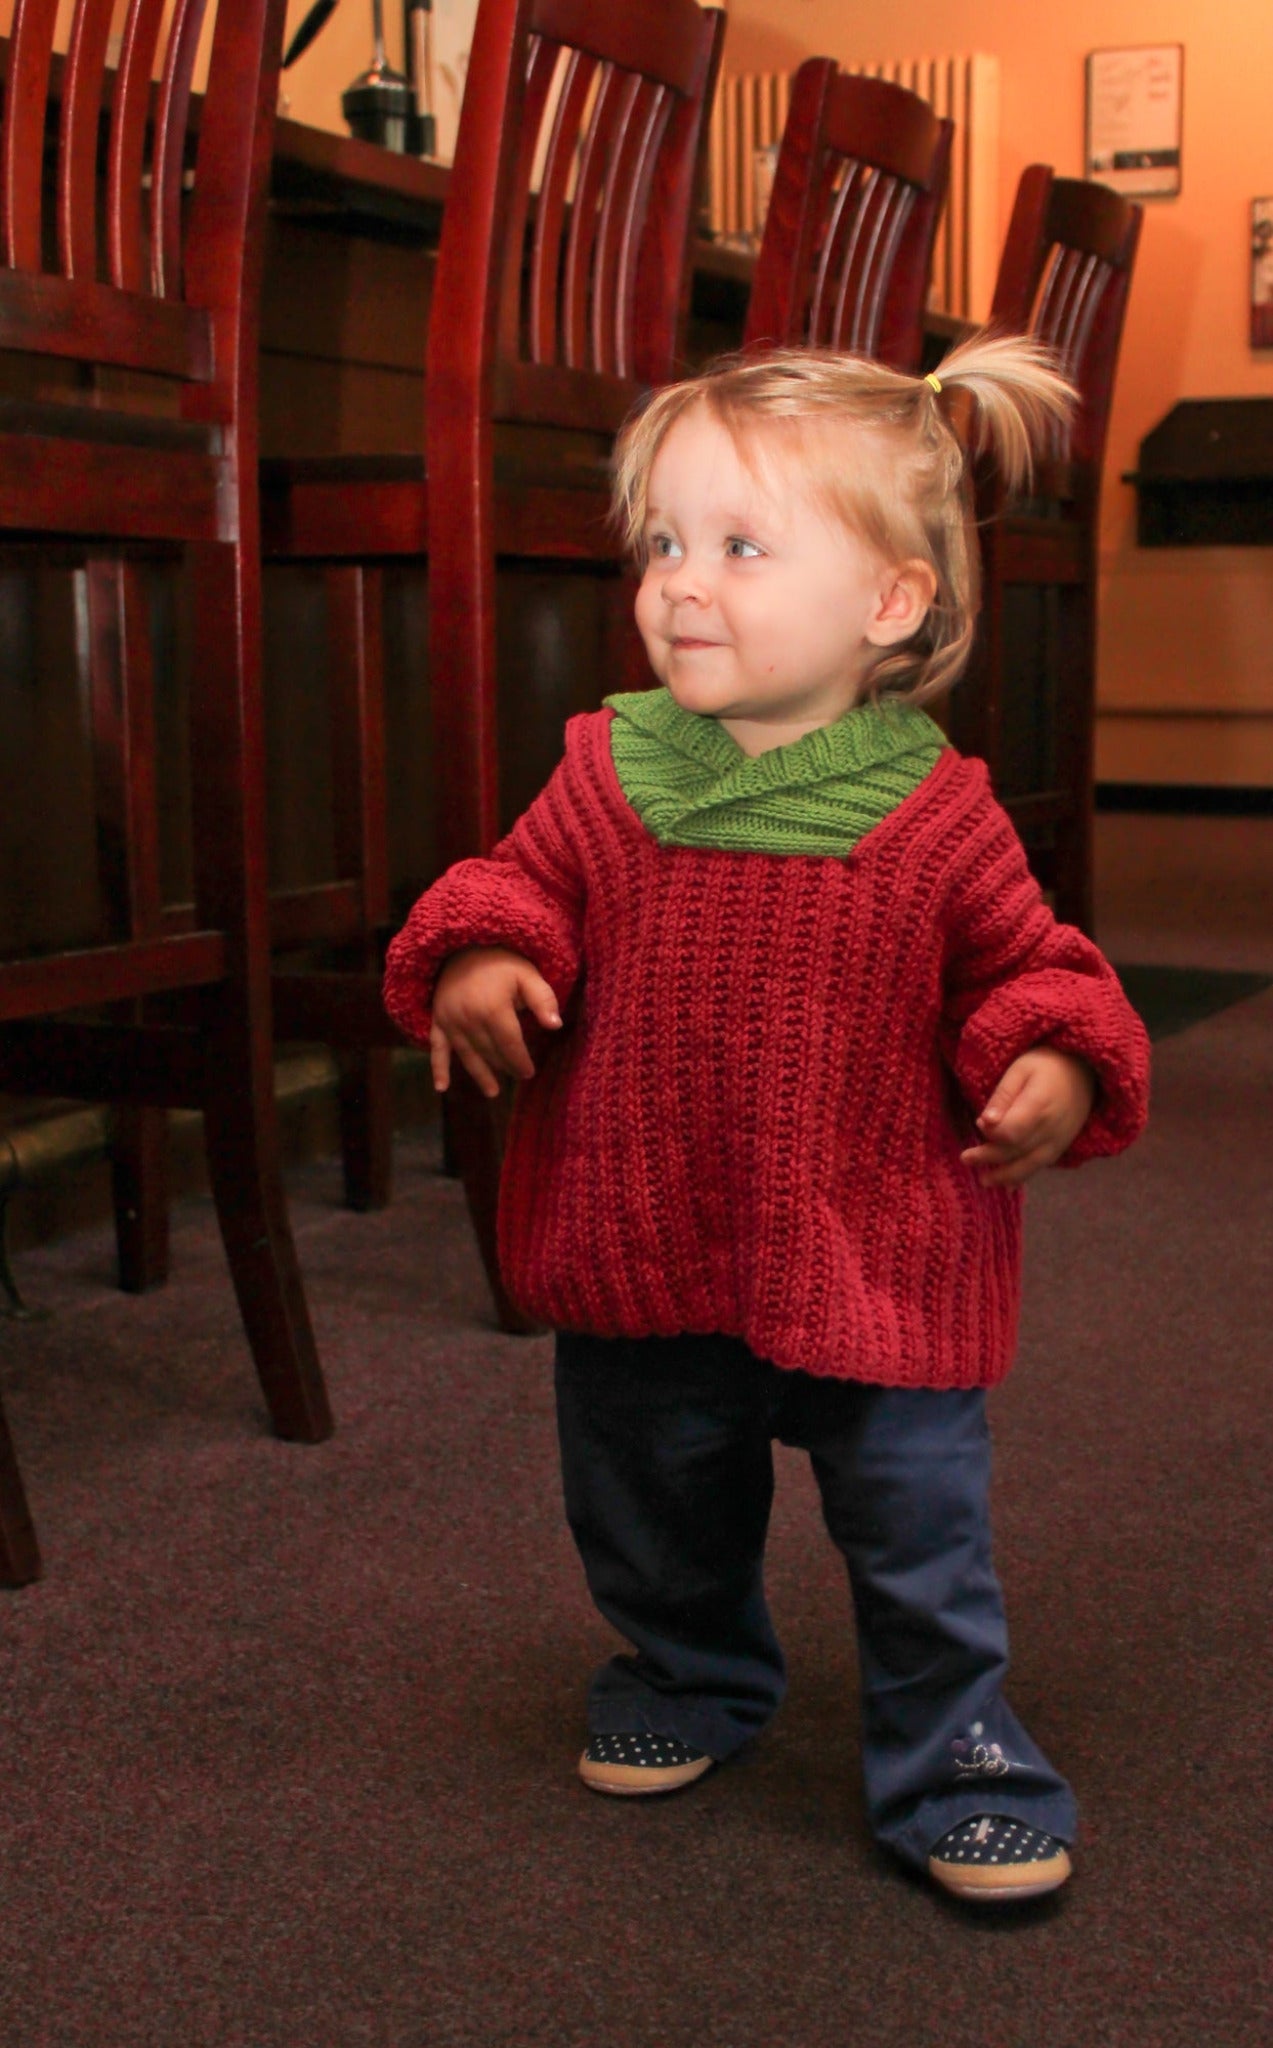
{"type": "Point", "coordinates": [792, 1025]}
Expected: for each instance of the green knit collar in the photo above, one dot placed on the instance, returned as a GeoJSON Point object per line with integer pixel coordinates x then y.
{"type": "Point", "coordinates": [692, 785]}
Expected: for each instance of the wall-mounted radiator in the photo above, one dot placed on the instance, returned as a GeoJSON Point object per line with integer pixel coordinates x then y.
{"type": "Point", "coordinates": [749, 114]}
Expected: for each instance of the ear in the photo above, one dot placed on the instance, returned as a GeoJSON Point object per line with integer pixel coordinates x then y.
{"type": "Point", "coordinates": [907, 590]}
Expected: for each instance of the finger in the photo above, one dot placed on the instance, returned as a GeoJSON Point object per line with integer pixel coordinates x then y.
{"type": "Point", "coordinates": [1003, 1098]}
{"type": "Point", "coordinates": [1012, 1172]}
{"type": "Point", "coordinates": [473, 1063]}
{"type": "Point", "coordinates": [1028, 1115]}
{"type": "Point", "coordinates": [1003, 1146]}
{"type": "Point", "coordinates": [440, 1058]}
{"type": "Point", "coordinates": [505, 1046]}
{"type": "Point", "coordinates": [536, 996]}
{"type": "Point", "coordinates": [981, 1156]}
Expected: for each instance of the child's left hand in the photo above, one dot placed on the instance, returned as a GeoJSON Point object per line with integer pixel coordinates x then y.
{"type": "Point", "coordinates": [1034, 1115]}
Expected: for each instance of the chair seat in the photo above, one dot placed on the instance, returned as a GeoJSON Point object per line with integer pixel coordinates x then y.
{"type": "Point", "coordinates": [74, 421]}
{"type": "Point", "coordinates": [549, 503]}
{"type": "Point", "coordinates": [93, 471]}
{"type": "Point", "coordinates": [42, 983]}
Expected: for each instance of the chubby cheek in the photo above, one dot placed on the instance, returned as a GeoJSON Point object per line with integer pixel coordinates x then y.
{"type": "Point", "coordinates": [649, 619]}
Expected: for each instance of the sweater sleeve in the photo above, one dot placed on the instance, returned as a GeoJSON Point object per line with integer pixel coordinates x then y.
{"type": "Point", "coordinates": [1015, 978]}
{"type": "Point", "coordinates": [527, 895]}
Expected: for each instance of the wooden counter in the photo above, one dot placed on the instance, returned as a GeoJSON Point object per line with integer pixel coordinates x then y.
{"type": "Point", "coordinates": [349, 266]}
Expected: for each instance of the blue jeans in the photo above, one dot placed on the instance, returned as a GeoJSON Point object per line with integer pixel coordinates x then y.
{"type": "Point", "coordinates": [667, 1464]}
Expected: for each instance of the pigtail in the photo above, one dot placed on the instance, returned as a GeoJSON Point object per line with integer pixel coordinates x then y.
{"type": "Point", "coordinates": [1020, 399]}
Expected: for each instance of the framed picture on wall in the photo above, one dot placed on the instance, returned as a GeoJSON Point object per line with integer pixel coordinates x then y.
{"type": "Point", "coordinates": [1134, 101]}
{"type": "Point", "coordinates": [1262, 273]}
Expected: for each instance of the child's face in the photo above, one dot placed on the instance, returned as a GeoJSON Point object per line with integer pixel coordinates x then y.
{"type": "Point", "coordinates": [757, 607]}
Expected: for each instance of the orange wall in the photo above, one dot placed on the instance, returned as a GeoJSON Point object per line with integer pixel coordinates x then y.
{"type": "Point", "coordinates": [1183, 630]}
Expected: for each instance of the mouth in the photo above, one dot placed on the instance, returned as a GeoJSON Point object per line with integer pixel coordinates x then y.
{"type": "Point", "coordinates": [685, 644]}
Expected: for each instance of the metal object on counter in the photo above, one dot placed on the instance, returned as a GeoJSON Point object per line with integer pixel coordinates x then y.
{"type": "Point", "coordinates": [378, 105]}
{"type": "Point", "coordinates": [418, 23]}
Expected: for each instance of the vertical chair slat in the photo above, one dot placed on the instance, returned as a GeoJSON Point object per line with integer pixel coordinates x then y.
{"type": "Point", "coordinates": [651, 338]}
{"type": "Point", "coordinates": [629, 318]}
{"type": "Point", "coordinates": [840, 229]}
{"type": "Point", "coordinates": [129, 114]}
{"type": "Point", "coordinates": [170, 149]}
{"type": "Point", "coordinates": [615, 257]}
{"type": "Point", "coordinates": [593, 155]}
{"type": "Point", "coordinates": [1054, 293]}
{"type": "Point", "coordinates": [82, 86]}
{"type": "Point", "coordinates": [856, 266]}
{"type": "Point", "coordinates": [550, 214]}
{"type": "Point", "coordinates": [1060, 319]}
{"type": "Point", "coordinates": [541, 69]}
{"type": "Point", "coordinates": [26, 95]}
{"type": "Point", "coordinates": [895, 201]}
{"type": "Point", "coordinates": [835, 199]}
{"type": "Point", "coordinates": [1081, 304]}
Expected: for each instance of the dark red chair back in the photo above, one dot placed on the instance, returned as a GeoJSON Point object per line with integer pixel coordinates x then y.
{"type": "Point", "coordinates": [552, 307]}
{"type": "Point", "coordinates": [1064, 276]}
{"type": "Point", "coordinates": [857, 195]}
{"type": "Point", "coordinates": [109, 267]}
{"type": "Point", "coordinates": [562, 265]}
{"type": "Point", "coordinates": [134, 279]}
{"type": "Point", "coordinates": [1027, 703]}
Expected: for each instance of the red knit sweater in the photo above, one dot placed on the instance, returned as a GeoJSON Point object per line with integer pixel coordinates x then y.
{"type": "Point", "coordinates": [751, 1122]}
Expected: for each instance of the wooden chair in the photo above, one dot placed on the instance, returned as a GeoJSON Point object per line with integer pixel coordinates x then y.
{"type": "Point", "coordinates": [169, 292]}
{"type": "Point", "coordinates": [848, 242]}
{"type": "Point", "coordinates": [558, 299]}
{"type": "Point", "coordinates": [1027, 702]}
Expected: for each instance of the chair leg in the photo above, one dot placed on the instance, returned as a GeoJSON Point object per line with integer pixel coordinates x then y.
{"type": "Point", "coordinates": [116, 669]}
{"type": "Point", "coordinates": [241, 1136]}
{"type": "Point", "coordinates": [475, 1129]}
{"type": "Point", "coordinates": [1076, 752]}
{"type": "Point", "coordinates": [1072, 873]}
{"type": "Point", "coordinates": [240, 1117]}
{"type": "Point", "coordinates": [19, 1551]}
{"type": "Point", "coordinates": [366, 1127]}
{"type": "Point", "coordinates": [355, 626]}
{"type": "Point", "coordinates": [139, 1183]}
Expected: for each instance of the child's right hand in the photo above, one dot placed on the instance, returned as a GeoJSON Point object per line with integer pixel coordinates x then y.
{"type": "Point", "coordinates": [475, 1004]}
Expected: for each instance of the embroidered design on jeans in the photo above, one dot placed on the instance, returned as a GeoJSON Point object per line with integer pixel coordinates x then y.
{"type": "Point", "coordinates": [978, 1759]}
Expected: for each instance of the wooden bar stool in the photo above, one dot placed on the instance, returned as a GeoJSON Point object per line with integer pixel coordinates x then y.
{"type": "Point", "coordinates": [558, 300]}
{"type": "Point", "coordinates": [1027, 703]}
{"type": "Point", "coordinates": [847, 248]}
{"type": "Point", "coordinates": [166, 292]}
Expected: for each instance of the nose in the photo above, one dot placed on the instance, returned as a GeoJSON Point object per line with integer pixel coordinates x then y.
{"type": "Point", "coordinates": [685, 583]}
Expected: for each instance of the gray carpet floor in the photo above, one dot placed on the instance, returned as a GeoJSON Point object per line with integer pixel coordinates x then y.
{"type": "Point", "coordinates": [289, 1733]}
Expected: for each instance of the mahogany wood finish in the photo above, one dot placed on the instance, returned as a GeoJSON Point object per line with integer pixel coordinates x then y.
{"type": "Point", "coordinates": [558, 300]}
{"type": "Point", "coordinates": [171, 291]}
{"type": "Point", "coordinates": [1027, 703]}
{"type": "Point", "coordinates": [858, 190]}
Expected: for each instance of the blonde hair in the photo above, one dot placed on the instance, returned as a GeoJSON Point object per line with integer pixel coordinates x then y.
{"type": "Point", "coordinates": [906, 492]}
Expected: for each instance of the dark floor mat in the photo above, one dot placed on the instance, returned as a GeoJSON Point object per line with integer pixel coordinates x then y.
{"type": "Point", "coordinates": [1170, 999]}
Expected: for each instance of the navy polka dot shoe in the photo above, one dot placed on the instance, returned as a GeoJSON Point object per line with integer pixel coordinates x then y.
{"type": "Point", "coordinates": [991, 1858]}
{"type": "Point", "coordinates": [631, 1765]}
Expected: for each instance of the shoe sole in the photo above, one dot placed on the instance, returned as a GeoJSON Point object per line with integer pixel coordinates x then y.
{"type": "Point", "coordinates": [998, 1887]}
{"type": "Point", "coordinates": [637, 1781]}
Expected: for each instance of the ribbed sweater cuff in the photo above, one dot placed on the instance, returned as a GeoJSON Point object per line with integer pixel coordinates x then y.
{"type": "Point", "coordinates": [473, 906]}
{"type": "Point", "coordinates": [1094, 1022]}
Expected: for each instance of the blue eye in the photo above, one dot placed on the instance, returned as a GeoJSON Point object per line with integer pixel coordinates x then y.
{"type": "Point", "coordinates": [740, 550]}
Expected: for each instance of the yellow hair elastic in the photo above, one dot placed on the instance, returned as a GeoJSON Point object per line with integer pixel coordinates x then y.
{"type": "Point", "coordinates": [934, 380]}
